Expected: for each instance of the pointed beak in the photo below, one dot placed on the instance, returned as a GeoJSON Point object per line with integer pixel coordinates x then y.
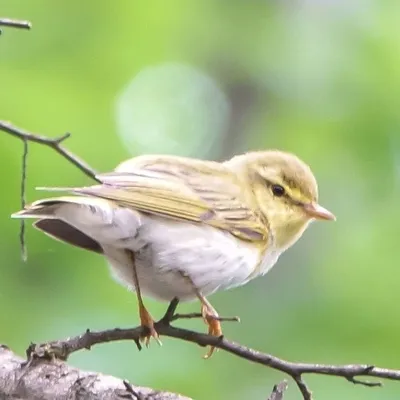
{"type": "Point", "coordinates": [318, 212]}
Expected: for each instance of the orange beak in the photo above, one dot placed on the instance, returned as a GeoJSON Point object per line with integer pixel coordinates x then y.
{"type": "Point", "coordinates": [318, 212]}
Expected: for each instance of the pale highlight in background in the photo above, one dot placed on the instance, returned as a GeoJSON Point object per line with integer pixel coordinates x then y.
{"type": "Point", "coordinates": [172, 109]}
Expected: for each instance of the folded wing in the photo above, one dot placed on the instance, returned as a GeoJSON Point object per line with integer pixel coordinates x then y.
{"type": "Point", "coordinates": [197, 191]}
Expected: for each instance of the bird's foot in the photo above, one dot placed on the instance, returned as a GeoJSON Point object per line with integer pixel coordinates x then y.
{"type": "Point", "coordinates": [147, 322]}
{"type": "Point", "coordinates": [212, 319]}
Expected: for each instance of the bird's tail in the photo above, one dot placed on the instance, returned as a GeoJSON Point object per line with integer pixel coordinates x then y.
{"type": "Point", "coordinates": [59, 218]}
{"type": "Point", "coordinates": [54, 207]}
{"type": "Point", "coordinates": [85, 221]}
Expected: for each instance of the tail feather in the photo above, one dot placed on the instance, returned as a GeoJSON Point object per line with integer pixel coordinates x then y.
{"type": "Point", "coordinates": [55, 189]}
{"type": "Point", "coordinates": [84, 221]}
{"type": "Point", "coordinates": [48, 207]}
{"type": "Point", "coordinates": [66, 233]}
{"type": "Point", "coordinates": [49, 213]}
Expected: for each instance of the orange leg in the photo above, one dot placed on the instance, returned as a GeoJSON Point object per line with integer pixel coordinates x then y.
{"type": "Point", "coordinates": [210, 316]}
{"type": "Point", "coordinates": [146, 320]}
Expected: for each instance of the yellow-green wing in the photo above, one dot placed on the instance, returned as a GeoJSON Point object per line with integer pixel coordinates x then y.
{"type": "Point", "coordinates": [198, 191]}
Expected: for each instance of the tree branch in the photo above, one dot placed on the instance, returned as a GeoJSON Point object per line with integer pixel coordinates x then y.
{"type": "Point", "coordinates": [13, 23]}
{"type": "Point", "coordinates": [61, 349]}
{"type": "Point", "coordinates": [53, 143]}
{"type": "Point", "coordinates": [49, 380]}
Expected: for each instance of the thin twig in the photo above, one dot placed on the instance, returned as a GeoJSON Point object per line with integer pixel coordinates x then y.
{"type": "Point", "coordinates": [23, 200]}
{"type": "Point", "coordinates": [14, 23]}
{"type": "Point", "coordinates": [301, 384]}
{"type": "Point", "coordinates": [130, 390]}
{"type": "Point", "coordinates": [54, 143]}
{"type": "Point", "coordinates": [363, 382]}
{"type": "Point", "coordinates": [200, 315]}
{"type": "Point", "coordinates": [63, 348]}
{"type": "Point", "coordinates": [278, 391]}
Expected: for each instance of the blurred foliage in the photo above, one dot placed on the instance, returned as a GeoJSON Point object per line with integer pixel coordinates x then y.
{"type": "Point", "coordinates": [319, 78]}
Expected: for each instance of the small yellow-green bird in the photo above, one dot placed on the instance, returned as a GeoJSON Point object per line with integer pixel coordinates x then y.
{"type": "Point", "coordinates": [174, 227]}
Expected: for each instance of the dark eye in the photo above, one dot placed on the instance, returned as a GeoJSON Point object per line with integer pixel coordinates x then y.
{"type": "Point", "coordinates": [278, 190]}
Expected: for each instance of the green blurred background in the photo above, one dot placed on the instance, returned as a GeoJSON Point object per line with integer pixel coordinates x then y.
{"type": "Point", "coordinates": [209, 79]}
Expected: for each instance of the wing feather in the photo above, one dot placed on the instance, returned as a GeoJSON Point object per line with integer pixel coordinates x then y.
{"type": "Point", "coordinates": [202, 191]}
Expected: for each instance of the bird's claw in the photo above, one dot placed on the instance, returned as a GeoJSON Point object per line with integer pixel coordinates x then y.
{"type": "Point", "coordinates": [152, 334]}
{"type": "Point", "coordinates": [214, 327]}
{"type": "Point", "coordinates": [147, 323]}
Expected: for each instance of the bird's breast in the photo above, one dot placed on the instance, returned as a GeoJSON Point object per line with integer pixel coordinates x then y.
{"type": "Point", "coordinates": [173, 251]}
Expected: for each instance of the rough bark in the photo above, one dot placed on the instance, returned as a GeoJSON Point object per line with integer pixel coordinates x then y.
{"type": "Point", "coordinates": [55, 380]}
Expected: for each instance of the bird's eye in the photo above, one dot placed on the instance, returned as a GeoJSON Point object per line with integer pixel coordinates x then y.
{"type": "Point", "coordinates": [278, 190]}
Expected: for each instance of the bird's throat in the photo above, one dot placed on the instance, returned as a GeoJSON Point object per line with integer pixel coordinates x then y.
{"type": "Point", "coordinates": [286, 234]}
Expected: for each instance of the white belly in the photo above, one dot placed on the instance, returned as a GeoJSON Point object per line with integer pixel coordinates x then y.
{"type": "Point", "coordinates": [213, 259]}
{"type": "Point", "coordinates": [167, 250]}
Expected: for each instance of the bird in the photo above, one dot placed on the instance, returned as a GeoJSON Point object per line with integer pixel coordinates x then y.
{"type": "Point", "coordinates": [175, 227]}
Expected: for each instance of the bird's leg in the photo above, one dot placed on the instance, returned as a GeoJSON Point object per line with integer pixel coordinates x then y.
{"type": "Point", "coordinates": [210, 315]}
{"type": "Point", "coordinates": [146, 320]}
{"type": "Point", "coordinates": [211, 318]}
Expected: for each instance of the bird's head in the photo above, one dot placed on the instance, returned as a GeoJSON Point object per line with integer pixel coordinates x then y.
{"type": "Point", "coordinates": [285, 190]}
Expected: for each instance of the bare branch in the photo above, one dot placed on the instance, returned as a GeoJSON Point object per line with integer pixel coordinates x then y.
{"type": "Point", "coordinates": [49, 380]}
{"type": "Point", "coordinates": [301, 384]}
{"type": "Point", "coordinates": [23, 200]}
{"type": "Point", "coordinates": [13, 23]}
{"type": "Point", "coordinates": [53, 143]}
{"type": "Point", "coordinates": [363, 383]}
{"type": "Point", "coordinates": [200, 315]}
{"type": "Point", "coordinates": [63, 348]}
